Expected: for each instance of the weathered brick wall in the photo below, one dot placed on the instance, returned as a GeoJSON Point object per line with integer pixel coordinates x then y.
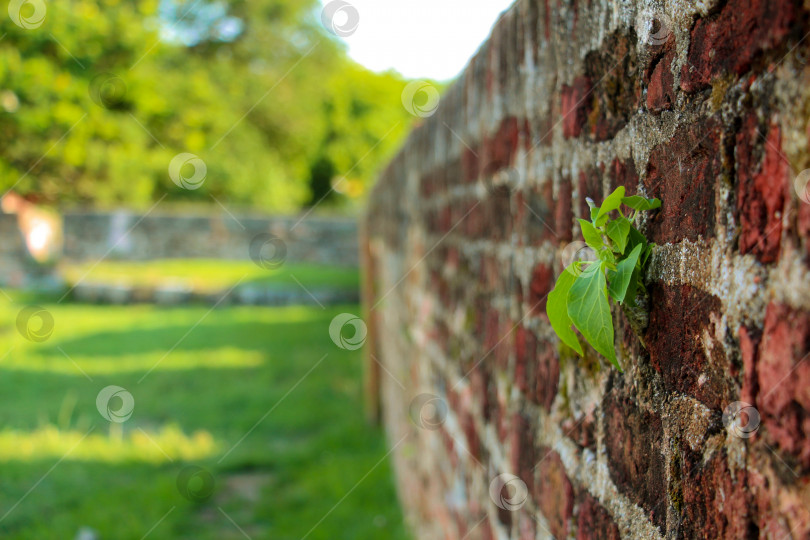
{"type": "Point", "coordinates": [708, 111]}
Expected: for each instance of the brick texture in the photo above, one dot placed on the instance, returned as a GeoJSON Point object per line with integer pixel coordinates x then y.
{"type": "Point", "coordinates": [702, 104]}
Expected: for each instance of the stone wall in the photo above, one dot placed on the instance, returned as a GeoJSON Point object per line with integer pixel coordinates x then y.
{"type": "Point", "coordinates": [497, 431]}
{"type": "Point", "coordinates": [129, 236]}
{"type": "Point", "coordinates": [93, 236]}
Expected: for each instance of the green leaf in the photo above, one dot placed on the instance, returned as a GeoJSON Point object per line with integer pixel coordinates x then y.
{"type": "Point", "coordinates": [589, 310]}
{"type": "Point", "coordinates": [618, 230]}
{"type": "Point", "coordinates": [591, 235]}
{"type": "Point", "coordinates": [613, 201]}
{"type": "Point", "coordinates": [635, 281]}
{"type": "Point", "coordinates": [640, 203]}
{"type": "Point", "coordinates": [634, 239]}
{"type": "Point", "coordinates": [557, 309]}
{"type": "Point", "coordinates": [647, 252]}
{"type": "Point", "coordinates": [621, 278]}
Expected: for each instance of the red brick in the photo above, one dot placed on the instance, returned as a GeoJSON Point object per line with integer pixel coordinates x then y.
{"type": "Point", "coordinates": [537, 368]}
{"type": "Point", "coordinates": [471, 218]}
{"type": "Point", "coordinates": [541, 221]}
{"type": "Point", "coordinates": [547, 375]}
{"type": "Point", "coordinates": [500, 149]}
{"type": "Point", "coordinates": [780, 514]}
{"type": "Point", "coordinates": [523, 449]}
{"type": "Point", "coordinates": [761, 191]}
{"type": "Point", "coordinates": [467, 422]}
{"type": "Point", "coordinates": [730, 41]}
{"type": "Point", "coordinates": [483, 385]}
{"type": "Point", "coordinates": [803, 225]}
{"type": "Point", "coordinates": [616, 94]}
{"type": "Point", "coordinates": [469, 165]}
{"type": "Point", "coordinates": [593, 521]}
{"type": "Point", "coordinates": [634, 439]}
{"type": "Point", "coordinates": [554, 493]}
{"type": "Point", "coordinates": [575, 106]}
{"type": "Point", "coordinates": [492, 335]}
{"type": "Point", "coordinates": [680, 316]}
{"type": "Point", "coordinates": [623, 173]}
{"type": "Point", "coordinates": [497, 210]}
{"type": "Point", "coordinates": [542, 283]}
{"type": "Point", "coordinates": [693, 156]}
{"type": "Point", "coordinates": [525, 350]}
{"type": "Point", "coordinates": [564, 212]}
{"type": "Point", "coordinates": [661, 90]}
{"type": "Point", "coordinates": [715, 500]}
{"type": "Point", "coordinates": [582, 431]}
{"type": "Point", "coordinates": [590, 185]}
{"type": "Point", "coordinates": [783, 373]}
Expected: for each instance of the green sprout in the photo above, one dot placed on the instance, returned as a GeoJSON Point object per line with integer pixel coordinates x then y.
{"type": "Point", "coordinates": [580, 296]}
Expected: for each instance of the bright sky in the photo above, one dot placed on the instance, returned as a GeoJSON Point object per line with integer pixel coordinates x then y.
{"type": "Point", "coordinates": [419, 38]}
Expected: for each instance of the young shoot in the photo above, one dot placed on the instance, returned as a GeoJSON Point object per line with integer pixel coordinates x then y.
{"type": "Point", "coordinates": [583, 291]}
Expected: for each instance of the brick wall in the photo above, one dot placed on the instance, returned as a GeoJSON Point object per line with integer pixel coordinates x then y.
{"type": "Point", "coordinates": [496, 431]}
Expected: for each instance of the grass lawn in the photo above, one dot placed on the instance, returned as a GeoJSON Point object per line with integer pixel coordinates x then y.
{"type": "Point", "coordinates": [225, 390]}
{"type": "Point", "coordinates": [210, 275]}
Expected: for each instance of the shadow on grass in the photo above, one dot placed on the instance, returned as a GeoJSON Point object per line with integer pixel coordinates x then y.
{"type": "Point", "coordinates": [295, 419]}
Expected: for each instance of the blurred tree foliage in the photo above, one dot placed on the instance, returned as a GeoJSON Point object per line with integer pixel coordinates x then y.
{"type": "Point", "coordinates": [97, 100]}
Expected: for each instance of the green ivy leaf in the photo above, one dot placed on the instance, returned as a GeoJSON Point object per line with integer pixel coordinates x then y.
{"type": "Point", "coordinates": [589, 310]}
{"type": "Point", "coordinates": [635, 238]}
{"type": "Point", "coordinates": [618, 230]}
{"type": "Point", "coordinates": [591, 235]}
{"type": "Point", "coordinates": [647, 252]}
{"type": "Point", "coordinates": [640, 203]}
{"type": "Point", "coordinates": [593, 207]}
{"type": "Point", "coordinates": [635, 280]}
{"type": "Point", "coordinates": [611, 203]}
{"type": "Point", "coordinates": [621, 278]}
{"type": "Point", "coordinates": [557, 309]}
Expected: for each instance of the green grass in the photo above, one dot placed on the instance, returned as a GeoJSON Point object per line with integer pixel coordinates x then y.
{"type": "Point", "coordinates": [210, 275]}
{"type": "Point", "coordinates": [234, 376]}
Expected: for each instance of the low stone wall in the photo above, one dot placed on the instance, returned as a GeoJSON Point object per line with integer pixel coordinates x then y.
{"type": "Point", "coordinates": [246, 294]}
{"type": "Point", "coordinates": [91, 237]}
{"type": "Point", "coordinates": [127, 236]}
{"type": "Point", "coordinates": [495, 430]}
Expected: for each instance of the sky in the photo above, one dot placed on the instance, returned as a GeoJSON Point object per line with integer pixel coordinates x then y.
{"type": "Point", "coordinates": [418, 38]}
